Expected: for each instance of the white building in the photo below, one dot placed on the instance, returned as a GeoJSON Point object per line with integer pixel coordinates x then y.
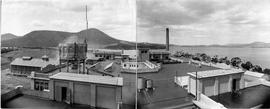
{"type": "Point", "coordinates": [215, 82]}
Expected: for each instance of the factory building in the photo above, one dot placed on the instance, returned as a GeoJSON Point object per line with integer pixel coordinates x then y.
{"type": "Point", "coordinates": [215, 82]}
{"type": "Point", "coordinates": [142, 54]}
{"type": "Point", "coordinates": [158, 55]}
{"type": "Point", "coordinates": [93, 90]}
{"type": "Point", "coordinates": [73, 55]}
{"type": "Point", "coordinates": [107, 54]}
{"type": "Point", "coordinates": [25, 65]}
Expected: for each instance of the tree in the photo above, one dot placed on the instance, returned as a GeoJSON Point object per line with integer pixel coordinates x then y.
{"type": "Point", "coordinates": [248, 65]}
{"type": "Point", "coordinates": [257, 68]}
{"type": "Point", "coordinates": [223, 60]}
{"type": "Point", "coordinates": [227, 62]}
{"type": "Point", "coordinates": [196, 58]}
{"type": "Point", "coordinates": [214, 60]}
{"type": "Point", "coordinates": [266, 71]}
{"type": "Point", "coordinates": [235, 61]}
{"type": "Point", "coordinates": [207, 59]}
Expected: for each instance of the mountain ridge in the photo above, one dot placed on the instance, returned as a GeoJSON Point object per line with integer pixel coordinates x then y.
{"type": "Point", "coordinates": [8, 36]}
{"type": "Point", "coordinates": [95, 39]}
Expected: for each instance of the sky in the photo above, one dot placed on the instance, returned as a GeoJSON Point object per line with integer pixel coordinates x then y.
{"type": "Point", "coordinates": [203, 22]}
{"type": "Point", "coordinates": [191, 22]}
{"type": "Point", "coordinates": [116, 18]}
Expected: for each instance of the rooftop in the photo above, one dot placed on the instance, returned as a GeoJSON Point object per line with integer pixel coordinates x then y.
{"type": "Point", "coordinates": [89, 78]}
{"type": "Point", "coordinates": [167, 93]}
{"type": "Point", "coordinates": [213, 73]}
{"type": "Point", "coordinates": [159, 52]}
{"type": "Point", "coordinates": [246, 98]}
{"type": "Point", "coordinates": [255, 74]}
{"type": "Point", "coordinates": [34, 62]}
{"type": "Point", "coordinates": [104, 51]}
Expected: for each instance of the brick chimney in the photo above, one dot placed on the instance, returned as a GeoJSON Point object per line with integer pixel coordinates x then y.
{"type": "Point", "coordinates": [167, 40]}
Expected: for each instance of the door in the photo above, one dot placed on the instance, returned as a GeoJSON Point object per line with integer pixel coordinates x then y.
{"type": "Point", "coordinates": [106, 97]}
{"type": "Point", "coordinates": [209, 87]}
{"type": "Point", "coordinates": [63, 93]}
{"type": "Point", "coordinates": [223, 86]}
{"type": "Point", "coordinates": [235, 85]}
{"type": "Point", "coordinates": [82, 94]}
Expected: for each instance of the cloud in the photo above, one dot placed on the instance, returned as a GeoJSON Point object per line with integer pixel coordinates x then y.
{"type": "Point", "coordinates": [175, 12]}
{"type": "Point", "coordinates": [37, 23]}
{"type": "Point", "coordinates": [115, 17]}
{"type": "Point", "coordinates": [204, 21]}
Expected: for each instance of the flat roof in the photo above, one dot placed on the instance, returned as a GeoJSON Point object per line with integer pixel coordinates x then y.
{"type": "Point", "coordinates": [89, 78]}
{"type": "Point", "coordinates": [152, 51]}
{"type": "Point", "coordinates": [35, 62]}
{"type": "Point", "coordinates": [166, 93]}
{"type": "Point", "coordinates": [255, 74]}
{"type": "Point", "coordinates": [213, 73]}
{"type": "Point", "coordinates": [246, 98]}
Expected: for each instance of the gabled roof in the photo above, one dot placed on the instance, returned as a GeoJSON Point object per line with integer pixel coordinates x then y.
{"type": "Point", "coordinates": [213, 73]}
{"type": "Point", "coordinates": [89, 78]}
{"type": "Point", "coordinates": [35, 62]}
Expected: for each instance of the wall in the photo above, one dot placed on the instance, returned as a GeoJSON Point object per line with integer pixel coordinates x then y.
{"type": "Point", "coordinates": [41, 94]}
{"type": "Point", "coordinates": [214, 85]}
{"type": "Point", "coordinates": [9, 95]}
{"type": "Point", "coordinates": [92, 94]}
{"type": "Point", "coordinates": [23, 70]}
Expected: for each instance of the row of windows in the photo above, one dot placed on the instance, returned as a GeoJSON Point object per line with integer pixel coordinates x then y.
{"type": "Point", "coordinates": [41, 85]}
{"type": "Point", "coordinates": [131, 65]}
{"type": "Point", "coordinates": [144, 51]}
{"type": "Point", "coordinates": [21, 68]}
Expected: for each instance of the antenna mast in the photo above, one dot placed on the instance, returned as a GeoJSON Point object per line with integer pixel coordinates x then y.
{"type": "Point", "coordinates": [86, 20]}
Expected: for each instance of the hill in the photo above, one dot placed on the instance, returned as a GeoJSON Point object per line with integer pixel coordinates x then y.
{"type": "Point", "coordinates": [8, 36]}
{"type": "Point", "coordinates": [37, 39]}
{"type": "Point", "coordinates": [236, 45]}
{"type": "Point", "coordinates": [95, 39]}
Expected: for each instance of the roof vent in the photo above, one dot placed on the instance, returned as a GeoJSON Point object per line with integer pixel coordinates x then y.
{"type": "Point", "coordinates": [27, 58]}
{"type": "Point", "coordinates": [45, 58]}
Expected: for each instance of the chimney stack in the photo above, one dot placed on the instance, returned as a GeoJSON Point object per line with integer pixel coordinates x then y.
{"type": "Point", "coordinates": [167, 39]}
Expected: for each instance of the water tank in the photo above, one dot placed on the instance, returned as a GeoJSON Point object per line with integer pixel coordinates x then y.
{"type": "Point", "coordinates": [149, 83]}
{"type": "Point", "coordinates": [71, 51]}
{"type": "Point", "coordinates": [141, 83]}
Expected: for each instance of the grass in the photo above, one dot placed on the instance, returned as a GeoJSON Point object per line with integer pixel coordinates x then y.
{"type": "Point", "coordinates": [9, 82]}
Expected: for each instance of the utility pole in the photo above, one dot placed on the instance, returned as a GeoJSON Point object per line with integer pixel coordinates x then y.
{"type": "Point", "coordinates": [196, 85]}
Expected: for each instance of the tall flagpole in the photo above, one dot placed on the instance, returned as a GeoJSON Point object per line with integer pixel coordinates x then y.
{"type": "Point", "coordinates": [85, 37]}
{"type": "Point", "coordinates": [86, 19]}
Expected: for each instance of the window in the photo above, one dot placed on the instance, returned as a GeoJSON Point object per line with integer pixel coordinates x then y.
{"type": "Point", "coordinates": [36, 85]}
{"type": "Point", "coordinates": [46, 86]}
{"type": "Point", "coordinates": [41, 85]}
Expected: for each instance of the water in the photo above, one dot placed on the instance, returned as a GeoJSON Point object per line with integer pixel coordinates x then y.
{"type": "Point", "coordinates": [257, 56]}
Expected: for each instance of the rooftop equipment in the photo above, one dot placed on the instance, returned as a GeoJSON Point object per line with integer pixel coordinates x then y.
{"type": "Point", "coordinates": [149, 84]}
{"type": "Point", "coordinates": [141, 84]}
{"type": "Point", "coordinates": [27, 58]}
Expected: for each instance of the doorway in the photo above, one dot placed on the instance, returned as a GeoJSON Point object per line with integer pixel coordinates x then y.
{"type": "Point", "coordinates": [235, 85]}
{"type": "Point", "coordinates": [64, 93]}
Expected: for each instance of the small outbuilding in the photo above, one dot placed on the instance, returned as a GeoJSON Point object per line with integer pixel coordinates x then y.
{"type": "Point", "coordinates": [93, 90]}
{"type": "Point", "coordinates": [215, 82]}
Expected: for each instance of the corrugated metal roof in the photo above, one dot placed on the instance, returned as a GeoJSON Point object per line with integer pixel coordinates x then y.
{"type": "Point", "coordinates": [35, 62]}
{"type": "Point", "coordinates": [89, 78]}
{"type": "Point", "coordinates": [212, 73]}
